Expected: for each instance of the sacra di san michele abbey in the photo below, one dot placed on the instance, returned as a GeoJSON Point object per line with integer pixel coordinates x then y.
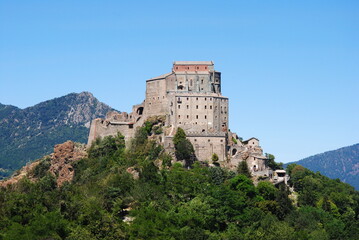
{"type": "Point", "coordinates": [188, 97]}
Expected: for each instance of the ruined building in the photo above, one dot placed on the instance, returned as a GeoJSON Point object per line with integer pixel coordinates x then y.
{"type": "Point", "coordinates": [189, 97]}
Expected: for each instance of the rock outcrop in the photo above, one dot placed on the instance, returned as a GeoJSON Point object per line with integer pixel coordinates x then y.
{"type": "Point", "coordinates": [61, 164]}
{"type": "Point", "coordinates": [64, 156]}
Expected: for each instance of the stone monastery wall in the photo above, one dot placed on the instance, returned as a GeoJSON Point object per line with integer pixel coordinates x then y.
{"type": "Point", "coordinates": [189, 97]}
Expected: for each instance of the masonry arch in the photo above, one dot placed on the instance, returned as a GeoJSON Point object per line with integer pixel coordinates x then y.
{"type": "Point", "coordinates": [234, 151]}
{"type": "Point", "coordinates": [140, 111]}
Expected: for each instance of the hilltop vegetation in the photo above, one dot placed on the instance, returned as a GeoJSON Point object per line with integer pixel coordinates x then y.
{"type": "Point", "coordinates": [342, 163]}
{"type": "Point", "coordinates": [138, 194]}
{"type": "Point", "coordinates": [30, 133]}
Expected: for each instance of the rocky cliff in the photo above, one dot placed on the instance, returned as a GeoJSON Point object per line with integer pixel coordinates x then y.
{"type": "Point", "coordinates": [30, 133]}
{"type": "Point", "coordinates": [59, 164]}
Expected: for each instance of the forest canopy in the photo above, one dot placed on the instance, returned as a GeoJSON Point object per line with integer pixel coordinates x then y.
{"type": "Point", "coordinates": [170, 201]}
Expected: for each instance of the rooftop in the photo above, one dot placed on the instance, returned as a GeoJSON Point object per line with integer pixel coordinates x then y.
{"type": "Point", "coordinates": [193, 63]}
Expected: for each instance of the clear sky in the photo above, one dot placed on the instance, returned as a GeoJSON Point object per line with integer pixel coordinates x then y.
{"type": "Point", "coordinates": [289, 68]}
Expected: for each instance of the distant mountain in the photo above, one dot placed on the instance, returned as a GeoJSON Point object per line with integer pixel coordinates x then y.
{"type": "Point", "coordinates": [342, 163]}
{"type": "Point", "coordinates": [27, 134]}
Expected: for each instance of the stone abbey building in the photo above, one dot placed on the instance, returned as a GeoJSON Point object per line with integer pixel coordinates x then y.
{"type": "Point", "coordinates": [188, 97]}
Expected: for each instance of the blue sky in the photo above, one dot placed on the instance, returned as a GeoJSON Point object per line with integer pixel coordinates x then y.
{"type": "Point", "coordinates": [289, 68]}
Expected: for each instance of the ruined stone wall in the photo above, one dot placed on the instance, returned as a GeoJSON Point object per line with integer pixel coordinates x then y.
{"type": "Point", "coordinates": [102, 128]}
{"type": "Point", "coordinates": [156, 98]}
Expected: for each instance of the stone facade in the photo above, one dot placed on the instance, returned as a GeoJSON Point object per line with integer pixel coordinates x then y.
{"type": "Point", "coordinates": [190, 97]}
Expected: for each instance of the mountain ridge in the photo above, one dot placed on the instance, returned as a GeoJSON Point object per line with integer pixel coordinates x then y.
{"type": "Point", "coordinates": [30, 133]}
{"type": "Point", "coordinates": [342, 163]}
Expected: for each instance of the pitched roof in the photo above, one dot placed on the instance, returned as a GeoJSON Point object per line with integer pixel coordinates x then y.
{"type": "Point", "coordinates": [161, 76]}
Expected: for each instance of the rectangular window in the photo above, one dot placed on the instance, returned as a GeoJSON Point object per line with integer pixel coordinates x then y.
{"type": "Point", "coordinates": [196, 116]}
{"type": "Point", "coordinates": [187, 116]}
{"type": "Point", "coordinates": [179, 116]}
{"type": "Point", "coordinates": [179, 106]}
{"type": "Point", "coordinates": [210, 107]}
{"type": "Point", "coordinates": [187, 106]}
{"type": "Point", "coordinates": [205, 106]}
{"type": "Point", "coordinates": [205, 116]}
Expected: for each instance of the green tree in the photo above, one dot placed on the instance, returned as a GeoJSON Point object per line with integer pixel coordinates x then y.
{"type": "Point", "coordinates": [271, 162]}
{"type": "Point", "coordinates": [243, 169]}
{"type": "Point", "coordinates": [183, 148]}
{"type": "Point", "coordinates": [215, 158]}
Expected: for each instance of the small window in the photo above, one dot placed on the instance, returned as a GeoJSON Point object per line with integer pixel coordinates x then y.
{"type": "Point", "coordinates": [205, 106]}
{"type": "Point", "coordinates": [176, 67]}
{"type": "Point", "coordinates": [187, 106]}
{"type": "Point", "coordinates": [202, 81]}
{"type": "Point", "coordinates": [195, 140]}
{"type": "Point", "coordinates": [187, 116]}
{"type": "Point", "coordinates": [197, 67]}
{"type": "Point", "coordinates": [210, 99]}
{"type": "Point", "coordinates": [205, 116]}
{"type": "Point", "coordinates": [179, 116]}
{"type": "Point", "coordinates": [196, 106]}
{"type": "Point", "coordinates": [179, 106]}
{"type": "Point", "coordinates": [196, 98]}
{"type": "Point", "coordinates": [209, 140]}
{"type": "Point", "coordinates": [221, 140]}
{"type": "Point", "coordinates": [205, 99]}
{"type": "Point", "coordinates": [196, 116]}
{"type": "Point", "coordinates": [210, 107]}
{"type": "Point", "coordinates": [187, 99]}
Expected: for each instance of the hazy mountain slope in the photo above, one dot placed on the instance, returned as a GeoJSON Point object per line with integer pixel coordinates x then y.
{"type": "Point", "coordinates": [342, 163]}
{"type": "Point", "coordinates": [27, 134]}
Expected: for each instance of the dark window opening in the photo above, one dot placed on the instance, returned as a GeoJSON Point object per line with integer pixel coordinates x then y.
{"type": "Point", "coordinates": [234, 151]}
{"type": "Point", "coordinates": [140, 110]}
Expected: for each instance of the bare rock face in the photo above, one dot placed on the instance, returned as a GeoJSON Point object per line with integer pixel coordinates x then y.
{"type": "Point", "coordinates": [23, 172]}
{"type": "Point", "coordinates": [64, 156]}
